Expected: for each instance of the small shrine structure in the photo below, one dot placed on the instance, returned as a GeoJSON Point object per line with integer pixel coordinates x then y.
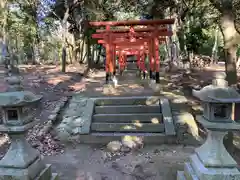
{"type": "Point", "coordinates": [212, 160]}
{"type": "Point", "coordinates": [120, 40]}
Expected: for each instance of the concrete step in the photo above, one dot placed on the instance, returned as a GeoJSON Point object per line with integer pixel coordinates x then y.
{"type": "Point", "coordinates": [127, 109]}
{"type": "Point", "coordinates": [106, 137]}
{"type": "Point", "coordinates": [180, 175]}
{"type": "Point", "coordinates": [46, 173]}
{"type": "Point", "coordinates": [127, 127]}
{"type": "Point", "coordinates": [132, 100]}
{"type": "Point", "coordinates": [132, 66]}
{"type": "Point", "coordinates": [189, 172]}
{"type": "Point", "coordinates": [55, 176]}
{"type": "Point", "coordinates": [131, 60]}
{"type": "Point", "coordinates": [128, 118]}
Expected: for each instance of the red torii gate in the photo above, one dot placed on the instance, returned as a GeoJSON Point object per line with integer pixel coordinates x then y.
{"type": "Point", "coordinates": [122, 49]}
{"type": "Point", "coordinates": [151, 33]}
{"type": "Point", "coordinates": [138, 48]}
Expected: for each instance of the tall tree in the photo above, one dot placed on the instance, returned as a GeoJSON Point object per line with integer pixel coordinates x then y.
{"type": "Point", "coordinates": [228, 23]}
{"type": "Point", "coordinates": [4, 10]}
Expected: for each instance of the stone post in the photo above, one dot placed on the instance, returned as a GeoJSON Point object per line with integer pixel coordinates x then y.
{"type": "Point", "coordinates": [211, 161]}
{"type": "Point", "coordinates": [21, 162]}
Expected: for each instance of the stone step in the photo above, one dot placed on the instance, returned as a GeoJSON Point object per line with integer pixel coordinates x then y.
{"type": "Point", "coordinates": [127, 109]}
{"type": "Point", "coordinates": [167, 117]}
{"type": "Point", "coordinates": [127, 127]}
{"type": "Point", "coordinates": [154, 118]}
{"type": "Point", "coordinates": [131, 100]}
{"type": "Point", "coordinates": [106, 137]}
{"type": "Point", "coordinates": [131, 60]}
{"type": "Point", "coordinates": [189, 172]}
{"type": "Point", "coordinates": [46, 173]}
{"type": "Point", "coordinates": [55, 176]}
{"type": "Point", "coordinates": [132, 66]}
{"type": "Point", "coordinates": [180, 175]}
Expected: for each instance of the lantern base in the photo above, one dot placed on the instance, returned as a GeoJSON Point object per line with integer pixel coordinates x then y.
{"type": "Point", "coordinates": [195, 170]}
{"type": "Point", "coordinates": [211, 160]}
{"type": "Point", "coordinates": [43, 172]}
{"type": "Point", "coordinates": [47, 174]}
{"type": "Point", "coordinates": [22, 162]}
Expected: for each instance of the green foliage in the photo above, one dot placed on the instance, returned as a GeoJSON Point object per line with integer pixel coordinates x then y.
{"type": "Point", "coordinates": [197, 20]}
{"type": "Point", "coordinates": [238, 51]}
{"type": "Point", "coordinates": [195, 38]}
{"type": "Point", "coordinates": [163, 52]}
{"type": "Point", "coordinates": [24, 31]}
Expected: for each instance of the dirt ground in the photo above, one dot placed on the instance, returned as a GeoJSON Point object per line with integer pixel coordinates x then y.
{"type": "Point", "coordinates": [80, 162]}
{"type": "Point", "coordinates": [95, 163]}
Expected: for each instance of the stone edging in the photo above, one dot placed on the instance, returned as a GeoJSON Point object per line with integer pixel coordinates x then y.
{"type": "Point", "coordinates": [186, 129]}
{"type": "Point", "coordinates": [52, 118]}
{"type": "Point", "coordinates": [76, 118]}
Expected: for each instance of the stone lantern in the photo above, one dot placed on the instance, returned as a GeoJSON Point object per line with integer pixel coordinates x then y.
{"type": "Point", "coordinates": [211, 160]}
{"type": "Point", "coordinates": [217, 100]}
{"type": "Point", "coordinates": [21, 162]}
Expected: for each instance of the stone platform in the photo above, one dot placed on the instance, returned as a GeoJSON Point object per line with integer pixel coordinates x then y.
{"type": "Point", "coordinates": [102, 119]}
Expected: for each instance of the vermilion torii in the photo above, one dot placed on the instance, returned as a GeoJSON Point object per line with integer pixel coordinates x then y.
{"type": "Point", "coordinates": [146, 37]}
{"type": "Point", "coordinates": [139, 48]}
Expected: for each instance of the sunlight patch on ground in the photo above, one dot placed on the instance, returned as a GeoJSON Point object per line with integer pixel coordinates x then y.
{"type": "Point", "coordinates": [155, 121]}
{"type": "Point", "coordinates": [78, 86]}
{"type": "Point", "coordinates": [152, 100]}
{"type": "Point", "coordinates": [236, 140]}
{"type": "Point", "coordinates": [99, 89]}
{"type": "Point", "coordinates": [122, 88]}
{"type": "Point", "coordinates": [128, 127]}
{"type": "Point", "coordinates": [58, 79]}
{"type": "Point", "coordinates": [138, 124]}
{"type": "Point", "coordinates": [172, 95]}
{"type": "Point", "coordinates": [91, 80]}
{"type": "Point", "coordinates": [3, 140]}
{"type": "Point", "coordinates": [188, 119]}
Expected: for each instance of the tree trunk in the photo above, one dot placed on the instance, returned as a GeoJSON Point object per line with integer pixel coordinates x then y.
{"type": "Point", "coordinates": [36, 54]}
{"type": "Point", "coordinates": [88, 52]}
{"type": "Point", "coordinates": [99, 55]}
{"type": "Point", "coordinates": [74, 50]}
{"type": "Point", "coordinates": [64, 36]}
{"type": "Point", "coordinates": [230, 64]}
{"type": "Point", "coordinates": [36, 42]}
{"type": "Point", "coordinates": [70, 56]}
{"type": "Point", "coordinates": [3, 33]}
{"type": "Point", "coordinates": [82, 50]}
{"type": "Point", "coordinates": [230, 37]}
{"type": "Point", "coordinates": [64, 57]}
{"type": "Point", "coordinates": [215, 48]}
{"type": "Point", "coordinates": [182, 41]}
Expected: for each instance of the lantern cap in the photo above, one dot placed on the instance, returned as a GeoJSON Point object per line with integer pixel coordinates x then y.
{"type": "Point", "coordinates": [18, 98]}
{"type": "Point", "coordinates": [218, 92]}
{"type": "Point", "coordinates": [212, 93]}
{"type": "Point", "coordinates": [220, 75]}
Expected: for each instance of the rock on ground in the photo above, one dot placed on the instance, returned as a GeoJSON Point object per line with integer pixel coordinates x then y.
{"type": "Point", "coordinates": [114, 146]}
